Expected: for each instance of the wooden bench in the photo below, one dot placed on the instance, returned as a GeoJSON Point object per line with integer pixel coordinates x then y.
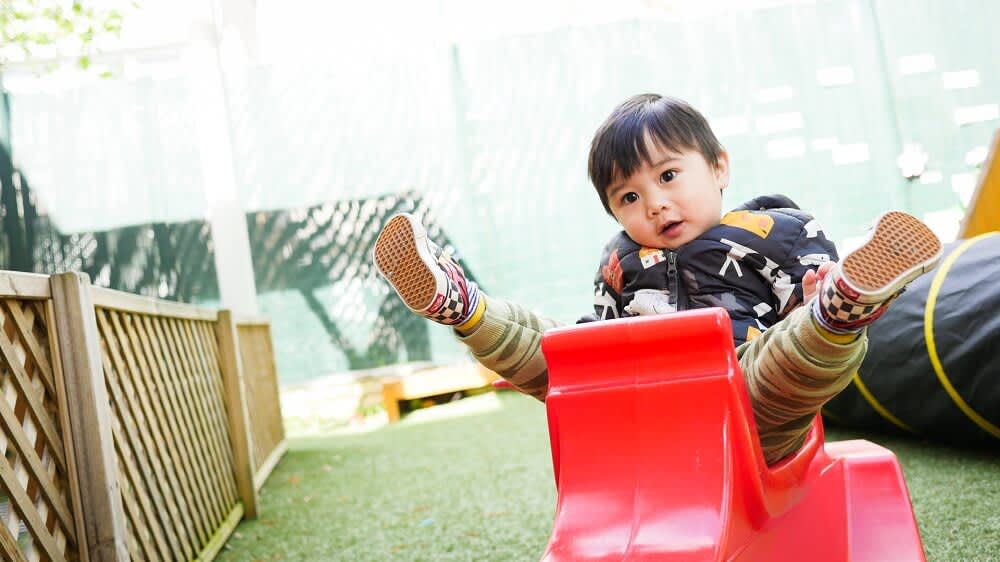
{"type": "Point", "coordinates": [433, 381]}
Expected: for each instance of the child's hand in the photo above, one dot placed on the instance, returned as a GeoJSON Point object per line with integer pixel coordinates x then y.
{"type": "Point", "coordinates": [813, 280]}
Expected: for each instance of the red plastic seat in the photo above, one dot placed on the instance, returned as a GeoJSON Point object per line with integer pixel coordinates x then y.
{"type": "Point", "coordinates": [656, 457]}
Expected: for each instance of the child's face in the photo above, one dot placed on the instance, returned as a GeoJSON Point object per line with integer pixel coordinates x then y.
{"type": "Point", "coordinates": [671, 202]}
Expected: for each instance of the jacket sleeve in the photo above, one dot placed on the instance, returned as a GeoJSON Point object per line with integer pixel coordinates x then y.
{"type": "Point", "coordinates": [808, 251]}
{"type": "Point", "coordinates": [609, 281]}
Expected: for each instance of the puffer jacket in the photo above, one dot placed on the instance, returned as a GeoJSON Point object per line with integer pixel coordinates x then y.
{"type": "Point", "coordinates": [751, 264]}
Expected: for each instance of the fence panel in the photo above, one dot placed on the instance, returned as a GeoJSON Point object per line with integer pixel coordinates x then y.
{"type": "Point", "coordinates": [176, 469]}
{"type": "Point", "coordinates": [118, 423]}
{"type": "Point", "coordinates": [37, 520]}
{"type": "Point", "coordinates": [261, 377]}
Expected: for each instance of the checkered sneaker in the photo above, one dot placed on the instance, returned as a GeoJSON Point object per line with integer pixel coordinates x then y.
{"type": "Point", "coordinates": [898, 249]}
{"type": "Point", "coordinates": [842, 314]}
{"type": "Point", "coordinates": [428, 279]}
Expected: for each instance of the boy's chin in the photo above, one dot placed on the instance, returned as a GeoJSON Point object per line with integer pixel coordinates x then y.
{"type": "Point", "coordinates": [671, 242]}
{"type": "Point", "coordinates": [661, 243]}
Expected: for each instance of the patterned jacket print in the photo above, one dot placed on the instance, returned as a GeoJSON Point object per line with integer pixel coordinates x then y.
{"type": "Point", "coordinates": [751, 264]}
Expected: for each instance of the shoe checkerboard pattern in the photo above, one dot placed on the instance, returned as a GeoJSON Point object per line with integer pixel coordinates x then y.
{"type": "Point", "coordinates": [844, 313]}
{"type": "Point", "coordinates": [450, 307]}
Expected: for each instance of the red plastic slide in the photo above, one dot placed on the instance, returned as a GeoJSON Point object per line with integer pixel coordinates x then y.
{"type": "Point", "coordinates": [656, 457]}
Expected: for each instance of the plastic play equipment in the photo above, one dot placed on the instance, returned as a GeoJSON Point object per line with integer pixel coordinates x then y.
{"type": "Point", "coordinates": [656, 457]}
{"type": "Point", "coordinates": [983, 212]}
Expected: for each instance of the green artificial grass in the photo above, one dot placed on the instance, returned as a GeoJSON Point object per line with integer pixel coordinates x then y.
{"type": "Point", "coordinates": [955, 494]}
{"type": "Point", "coordinates": [472, 480]}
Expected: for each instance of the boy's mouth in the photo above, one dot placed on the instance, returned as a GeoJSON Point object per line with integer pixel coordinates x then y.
{"type": "Point", "coordinates": [670, 228]}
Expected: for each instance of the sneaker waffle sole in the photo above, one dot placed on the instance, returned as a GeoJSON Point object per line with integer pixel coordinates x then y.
{"type": "Point", "coordinates": [900, 243]}
{"type": "Point", "coordinates": [396, 256]}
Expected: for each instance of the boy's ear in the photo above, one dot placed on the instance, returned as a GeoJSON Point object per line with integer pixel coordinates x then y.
{"type": "Point", "coordinates": [722, 170]}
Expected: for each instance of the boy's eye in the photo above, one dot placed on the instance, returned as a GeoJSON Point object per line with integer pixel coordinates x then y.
{"type": "Point", "coordinates": [630, 197]}
{"type": "Point", "coordinates": [668, 175]}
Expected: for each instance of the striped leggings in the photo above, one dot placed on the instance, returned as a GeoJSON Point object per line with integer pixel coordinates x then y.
{"type": "Point", "coordinates": [791, 370]}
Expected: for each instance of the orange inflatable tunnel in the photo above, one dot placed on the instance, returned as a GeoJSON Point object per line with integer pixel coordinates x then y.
{"type": "Point", "coordinates": [656, 457]}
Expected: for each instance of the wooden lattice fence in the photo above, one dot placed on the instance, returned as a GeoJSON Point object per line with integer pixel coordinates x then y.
{"type": "Point", "coordinates": [37, 499]}
{"type": "Point", "coordinates": [261, 376]}
{"type": "Point", "coordinates": [144, 449]}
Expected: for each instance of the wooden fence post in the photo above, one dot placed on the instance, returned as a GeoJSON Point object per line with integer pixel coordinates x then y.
{"type": "Point", "coordinates": [91, 442]}
{"type": "Point", "coordinates": [236, 411]}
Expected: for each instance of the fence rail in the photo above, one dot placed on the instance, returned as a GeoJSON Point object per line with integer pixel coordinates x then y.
{"type": "Point", "coordinates": [126, 433]}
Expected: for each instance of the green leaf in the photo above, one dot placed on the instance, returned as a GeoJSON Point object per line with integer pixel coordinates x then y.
{"type": "Point", "coordinates": [26, 24]}
{"type": "Point", "coordinates": [39, 38]}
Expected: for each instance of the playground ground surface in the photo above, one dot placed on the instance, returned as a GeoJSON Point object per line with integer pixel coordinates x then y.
{"type": "Point", "coordinates": [472, 480]}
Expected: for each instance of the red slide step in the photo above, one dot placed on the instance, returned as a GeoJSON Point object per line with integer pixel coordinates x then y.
{"type": "Point", "coordinates": [656, 457]}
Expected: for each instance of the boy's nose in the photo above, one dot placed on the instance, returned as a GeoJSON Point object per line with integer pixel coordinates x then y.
{"type": "Point", "coordinates": [658, 205]}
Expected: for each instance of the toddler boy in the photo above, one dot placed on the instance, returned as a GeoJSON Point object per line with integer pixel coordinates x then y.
{"type": "Point", "coordinates": [660, 172]}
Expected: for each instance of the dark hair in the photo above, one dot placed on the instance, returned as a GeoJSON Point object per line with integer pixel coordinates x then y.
{"type": "Point", "coordinates": [619, 145]}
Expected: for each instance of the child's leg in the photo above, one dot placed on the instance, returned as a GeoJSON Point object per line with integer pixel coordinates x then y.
{"type": "Point", "coordinates": [791, 370]}
{"type": "Point", "coordinates": [508, 340]}
{"type": "Point", "coordinates": [501, 335]}
{"type": "Point", "coordinates": [806, 359]}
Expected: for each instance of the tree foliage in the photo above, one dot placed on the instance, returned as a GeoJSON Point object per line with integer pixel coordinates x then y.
{"type": "Point", "coordinates": [56, 29]}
